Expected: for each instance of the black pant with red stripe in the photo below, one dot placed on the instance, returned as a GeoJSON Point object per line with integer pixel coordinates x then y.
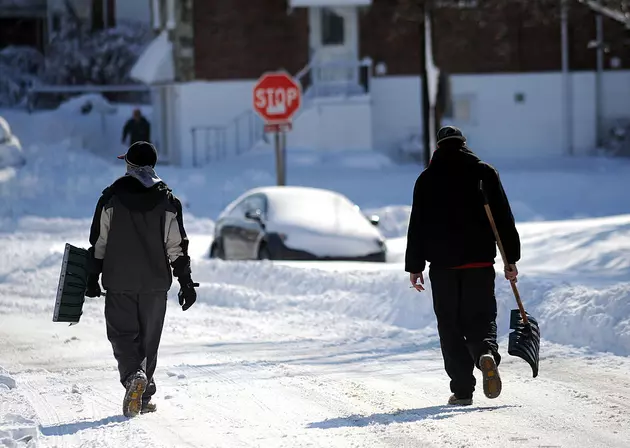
{"type": "Point", "coordinates": [466, 311]}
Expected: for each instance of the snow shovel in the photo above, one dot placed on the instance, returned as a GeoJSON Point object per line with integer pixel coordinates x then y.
{"type": "Point", "coordinates": [524, 341]}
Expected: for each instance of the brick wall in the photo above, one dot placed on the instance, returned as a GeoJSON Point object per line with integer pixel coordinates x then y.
{"type": "Point", "coordinates": [396, 43]}
{"type": "Point", "coordinates": [241, 39]}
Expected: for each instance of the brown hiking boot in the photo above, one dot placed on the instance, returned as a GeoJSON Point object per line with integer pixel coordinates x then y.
{"type": "Point", "coordinates": [491, 378]}
{"type": "Point", "coordinates": [454, 401]}
{"type": "Point", "coordinates": [135, 385]}
{"type": "Point", "coordinates": [148, 407]}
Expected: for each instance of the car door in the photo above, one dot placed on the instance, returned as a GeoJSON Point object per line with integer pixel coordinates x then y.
{"type": "Point", "coordinates": [254, 229]}
{"type": "Point", "coordinates": [230, 231]}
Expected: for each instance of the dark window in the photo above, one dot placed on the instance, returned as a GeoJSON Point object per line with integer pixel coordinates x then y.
{"type": "Point", "coordinates": [56, 23]}
{"type": "Point", "coordinates": [256, 202]}
{"type": "Point", "coordinates": [332, 28]}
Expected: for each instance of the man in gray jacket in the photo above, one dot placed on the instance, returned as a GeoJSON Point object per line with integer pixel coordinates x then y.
{"type": "Point", "coordinates": [137, 236]}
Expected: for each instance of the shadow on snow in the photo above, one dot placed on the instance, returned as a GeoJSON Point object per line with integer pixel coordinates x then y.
{"type": "Point", "coordinates": [402, 416]}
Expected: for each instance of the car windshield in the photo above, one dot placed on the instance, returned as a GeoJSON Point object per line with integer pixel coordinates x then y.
{"type": "Point", "coordinates": [315, 209]}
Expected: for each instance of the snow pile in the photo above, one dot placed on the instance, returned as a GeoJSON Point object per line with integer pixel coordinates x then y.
{"type": "Point", "coordinates": [548, 189]}
{"type": "Point", "coordinates": [6, 381]}
{"type": "Point", "coordinates": [16, 430]}
{"type": "Point", "coordinates": [596, 250]}
{"type": "Point", "coordinates": [56, 182]}
{"type": "Point", "coordinates": [380, 296]}
{"type": "Point", "coordinates": [567, 314]}
{"type": "Point", "coordinates": [394, 219]}
{"type": "Point", "coordinates": [588, 317]}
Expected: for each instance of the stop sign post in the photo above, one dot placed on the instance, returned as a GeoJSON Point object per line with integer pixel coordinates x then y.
{"type": "Point", "coordinates": [277, 96]}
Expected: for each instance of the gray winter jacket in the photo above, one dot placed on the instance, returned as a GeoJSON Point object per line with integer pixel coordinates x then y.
{"type": "Point", "coordinates": [138, 234]}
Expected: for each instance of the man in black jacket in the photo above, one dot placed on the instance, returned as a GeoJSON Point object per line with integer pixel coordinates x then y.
{"type": "Point", "coordinates": [137, 128]}
{"type": "Point", "coordinates": [449, 228]}
{"type": "Point", "coordinates": [137, 236]}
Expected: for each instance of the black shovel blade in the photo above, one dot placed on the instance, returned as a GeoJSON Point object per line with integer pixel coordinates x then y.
{"type": "Point", "coordinates": [524, 341]}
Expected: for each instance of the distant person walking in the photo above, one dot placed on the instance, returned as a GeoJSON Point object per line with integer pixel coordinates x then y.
{"type": "Point", "coordinates": [137, 237]}
{"type": "Point", "coordinates": [137, 128]}
{"type": "Point", "coordinates": [449, 228]}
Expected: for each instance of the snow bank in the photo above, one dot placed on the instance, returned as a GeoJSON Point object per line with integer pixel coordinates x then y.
{"type": "Point", "coordinates": [394, 219]}
{"type": "Point", "coordinates": [56, 182]}
{"type": "Point", "coordinates": [542, 189]}
{"type": "Point", "coordinates": [568, 314]}
{"type": "Point", "coordinates": [17, 429]}
{"type": "Point", "coordinates": [6, 381]}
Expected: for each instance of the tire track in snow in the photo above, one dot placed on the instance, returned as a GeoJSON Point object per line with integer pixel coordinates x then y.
{"type": "Point", "coordinates": [317, 394]}
{"type": "Point", "coordinates": [160, 432]}
{"type": "Point", "coordinates": [47, 415]}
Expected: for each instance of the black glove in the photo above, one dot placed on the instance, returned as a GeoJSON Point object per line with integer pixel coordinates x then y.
{"type": "Point", "coordinates": [93, 289]}
{"type": "Point", "coordinates": [187, 294]}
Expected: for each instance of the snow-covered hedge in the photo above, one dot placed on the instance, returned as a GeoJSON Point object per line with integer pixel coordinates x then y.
{"type": "Point", "coordinates": [75, 56]}
{"type": "Point", "coordinates": [21, 67]}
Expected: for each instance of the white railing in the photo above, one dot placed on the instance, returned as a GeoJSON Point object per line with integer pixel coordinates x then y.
{"type": "Point", "coordinates": [217, 142]}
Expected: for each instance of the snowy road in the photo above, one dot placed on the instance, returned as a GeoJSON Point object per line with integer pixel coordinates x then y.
{"type": "Point", "coordinates": [277, 355]}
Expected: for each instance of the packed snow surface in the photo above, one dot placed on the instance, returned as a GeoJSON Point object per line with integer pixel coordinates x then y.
{"type": "Point", "coordinates": [297, 354]}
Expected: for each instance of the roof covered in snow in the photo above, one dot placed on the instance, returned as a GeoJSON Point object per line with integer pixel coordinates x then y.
{"type": "Point", "coordinates": [156, 64]}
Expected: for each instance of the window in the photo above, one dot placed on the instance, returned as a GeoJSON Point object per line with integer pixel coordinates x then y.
{"type": "Point", "coordinates": [56, 23]}
{"type": "Point", "coordinates": [332, 25]}
{"type": "Point", "coordinates": [253, 203]}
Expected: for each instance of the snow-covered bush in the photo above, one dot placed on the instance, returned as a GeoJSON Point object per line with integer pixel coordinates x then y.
{"type": "Point", "coordinates": [21, 67]}
{"type": "Point", "coordinates": [75, 56]}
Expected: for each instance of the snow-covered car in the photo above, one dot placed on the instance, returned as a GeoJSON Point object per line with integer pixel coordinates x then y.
{"type": "Point", "coordinates": [296, 223]}
{"type": "Point", "coordinates": [10, 147]}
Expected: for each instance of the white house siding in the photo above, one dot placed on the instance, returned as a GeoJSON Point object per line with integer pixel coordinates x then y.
{"type": "Point", "coordinates": [495, 123]}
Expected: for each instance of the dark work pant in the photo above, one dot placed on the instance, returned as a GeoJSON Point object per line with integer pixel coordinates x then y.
{"type": "Point", "coordinates": [134, 328]}
{"type": "Point", "coordinates": [466, 311]}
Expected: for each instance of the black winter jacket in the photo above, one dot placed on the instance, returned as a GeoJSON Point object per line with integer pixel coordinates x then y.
{"type": "Point", "coordinates": [137, 130]}
{"type": "Point", "coordinates": [138, 235]}
{"type": "Point", "coordinates": [448, 226]}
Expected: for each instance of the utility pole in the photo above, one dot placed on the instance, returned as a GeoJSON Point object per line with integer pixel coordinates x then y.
{"type": "Point", "coordinates": [599, 24]}
{"type": "Point", "coordinates": [426, 107]}
{"type": "Point", "coordinates": [566, 79]}
{"type": "Point", "coordinates": [429, 77]}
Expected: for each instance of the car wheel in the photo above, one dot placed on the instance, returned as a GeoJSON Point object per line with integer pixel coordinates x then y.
{"type": "Point", "coordinates": [216, 250]}
{"type": "Point", "coordinates": [263, 253]}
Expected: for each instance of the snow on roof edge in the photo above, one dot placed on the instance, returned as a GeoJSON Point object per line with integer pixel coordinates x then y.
{"type": "Point", "coordinates": [156, 63]}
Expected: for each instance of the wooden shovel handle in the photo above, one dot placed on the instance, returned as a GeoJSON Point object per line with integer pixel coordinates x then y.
{"type": "Point", "coordinates": [505, 262]}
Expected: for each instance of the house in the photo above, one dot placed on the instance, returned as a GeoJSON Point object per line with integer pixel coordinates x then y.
{"type": "Point", "coordinates": [360, 69]}
{"type": "Point", "coordinates": [98, 13]}
{"type": "Point", "coordinates": [23, 23]}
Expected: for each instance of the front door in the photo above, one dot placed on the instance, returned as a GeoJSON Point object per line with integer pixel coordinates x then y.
{"type": "Point", "coordinates": [334, 39]}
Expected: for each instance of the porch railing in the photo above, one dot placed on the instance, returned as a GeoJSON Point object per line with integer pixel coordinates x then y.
{"type": "Point", "coordinates": [217, 142]}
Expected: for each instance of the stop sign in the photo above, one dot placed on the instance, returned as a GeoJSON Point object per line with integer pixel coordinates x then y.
{"type": "Point", "coordinates": [277, 97]}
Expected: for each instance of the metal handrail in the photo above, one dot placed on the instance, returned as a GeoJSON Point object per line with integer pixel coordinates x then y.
{"type": "Point", "coordinates": [219, 141]}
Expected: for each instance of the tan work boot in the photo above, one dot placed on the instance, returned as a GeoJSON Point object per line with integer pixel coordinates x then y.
{"type": "Point", "coordinates": [491, 378]}
{"type": "Point", "coordinates": [454, 401]}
